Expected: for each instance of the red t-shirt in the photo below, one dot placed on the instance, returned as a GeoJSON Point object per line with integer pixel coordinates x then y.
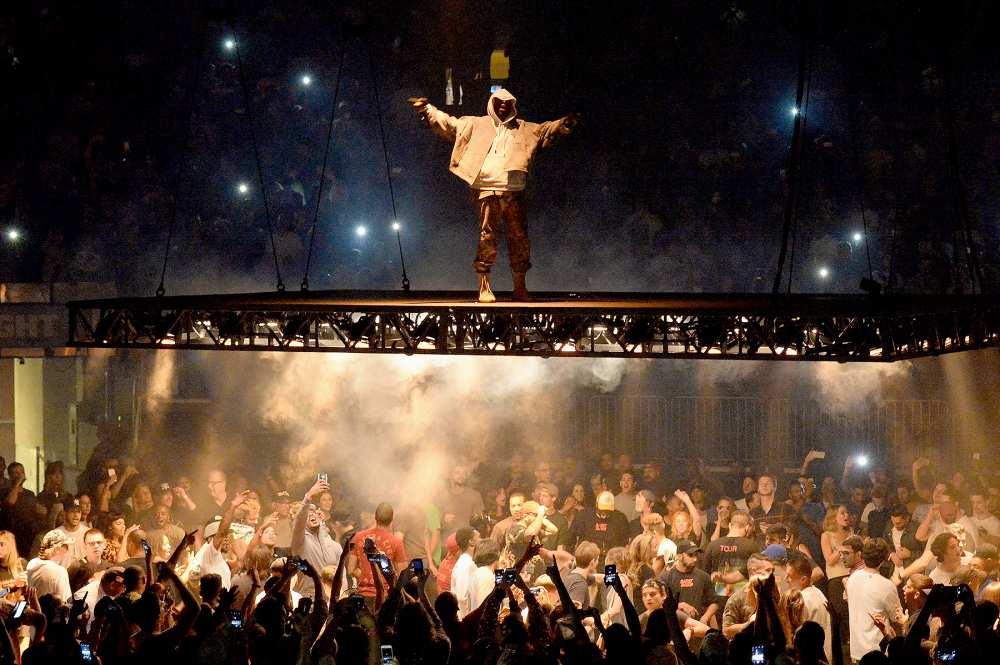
{"type": "Point", "coordinates": [385, 542]}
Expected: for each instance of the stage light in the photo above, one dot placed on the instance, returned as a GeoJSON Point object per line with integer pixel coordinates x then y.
{"type": "Point", "coordinates": [306, 80]}
{"type": "Point", "coordinates": [794, 111]}
{"type": "Point", "coordinates": [396, 226]}
{"type": "Point", "coordinates": [861, 460]}
{"type": "Point", "coordinates": [243, 188]}
{"type": "Point", "coordinates": [229, 44]}
{"type": "Point", "coordinates": [13, 235]}
{"type": "Point", "coordinates": [360, 230]}
{"type": "Point", "coordinates": [823, 272]}
{"type": "Point", "coordinates": [857, 237]}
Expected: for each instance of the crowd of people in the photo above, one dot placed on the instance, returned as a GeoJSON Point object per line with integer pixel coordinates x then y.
{"type": "Point", "coordinates": [542, 563]}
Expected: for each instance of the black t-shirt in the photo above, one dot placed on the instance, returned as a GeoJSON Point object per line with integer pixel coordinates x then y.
{"type": "Point", "coordinates": [726, 555]}
{"type": "Point", "coordinates": [694, 588]}
{"type": "Point", "coordinates": [605, 529]}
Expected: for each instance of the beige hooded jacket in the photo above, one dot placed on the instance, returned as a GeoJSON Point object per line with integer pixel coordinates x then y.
{"type": "Point", "coordinates": [474, 136]}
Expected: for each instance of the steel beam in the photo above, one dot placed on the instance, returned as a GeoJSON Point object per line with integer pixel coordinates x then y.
{"type": "Point", "coordinates": [704, 326]}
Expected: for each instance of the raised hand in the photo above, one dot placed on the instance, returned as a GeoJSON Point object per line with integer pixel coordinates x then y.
{"type": "Point", "coordinates": [239, 499]}
{"type": "Point", "coordinates": [418, 103]}
{"type": "Point", "coordinates": [318, 488]}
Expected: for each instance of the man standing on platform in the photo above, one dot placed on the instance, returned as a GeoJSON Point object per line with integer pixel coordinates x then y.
{"type": "Point", "coordinates": [492, 154]}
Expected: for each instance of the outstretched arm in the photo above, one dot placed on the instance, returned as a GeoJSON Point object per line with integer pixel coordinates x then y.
{"type": "Point", "coordinates": [443, 124]}
{"type": "Point", "coordinates": [549, 133]}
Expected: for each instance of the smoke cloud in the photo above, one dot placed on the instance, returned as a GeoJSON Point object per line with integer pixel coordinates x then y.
{"type": "Point", "coordinates": [394, 426]}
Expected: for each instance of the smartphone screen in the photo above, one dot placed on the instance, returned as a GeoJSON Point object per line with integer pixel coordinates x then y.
{"type": "Point", "coordinates": [235, 619]}
{"type": "Point", "coordinates": [610, 574]}
{"type": "Point", "coordinates": [383, 562]}
{"type": "Point", "coordinates": [510, 575]}
{"type": "Point", "coordinates": [324, 477]}
{"type": "Point", "coordinates": [387, 655]}
{"type": "Point", "coordinates": [498, 576]}
{"type": "Point", "coordinates": [86, 653]}
{"type": "Point", "coordinates": [417, 565]}
{"type": "Point", "coordinates": [757, 655]}
{"type": "Point", "coordinates": [19, 609]}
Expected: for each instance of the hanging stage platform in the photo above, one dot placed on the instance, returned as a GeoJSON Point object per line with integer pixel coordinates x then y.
{"type": "Point", "coordinates": [844, 328]}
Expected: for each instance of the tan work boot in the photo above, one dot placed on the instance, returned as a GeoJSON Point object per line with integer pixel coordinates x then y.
{"type": "Point", "coordinates": [520, 290]}
{"type": "Point", "coordinates": [485, 292]}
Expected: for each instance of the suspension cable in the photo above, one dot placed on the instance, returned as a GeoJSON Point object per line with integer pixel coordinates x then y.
{"type": "Point", "coordinates": [385, 154]}
{"type": "Point", "coordinates": [322, 174]}
{"type": "Point", "coordinates": [793, 165]}
{"type": "Point", "coordinates": [256, 153]}
{"type": "Point", "coordinates": [185, 150]}
{"type": "Point", "coordinates": [804, 113]}
{"type": "Point", "coordinates": [861, 191]}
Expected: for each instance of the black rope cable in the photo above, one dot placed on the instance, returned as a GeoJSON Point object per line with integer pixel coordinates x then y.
{"type": "Point", "coordinates": [256, 153]}
{"type": "Point", "coordinates": [185, 149]}
{"type": "Point", "coordinates": [803, 111]}
{"type": "Point", "coordinates": [793, 166]}
{"type": "Point", "coordinates": [861, 191]}
{"type": "Point", "coordinates": [385, 154]}
{"type": "Point", "coordinates": [322, 175]}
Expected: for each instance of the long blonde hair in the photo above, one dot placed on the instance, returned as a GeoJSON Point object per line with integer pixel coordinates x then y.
{"type": "Point", "coordinates": [12, 562]}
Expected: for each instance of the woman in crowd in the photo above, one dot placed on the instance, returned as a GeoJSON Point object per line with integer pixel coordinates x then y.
{"type": "Point", "coordinates": [11, 566]}
{"type": "Point", "coordinates": [114, 532]}
{"type": "Point", "coordinates": [614, 611]}
{"type": "Point", "coordinates": [836, 529]}
{"type": "Point", "coordinates": [574, 503]}
{"type": "Point", "coordinates": [498, 509]}
{"type": "Point", "coordinates": [638, 563]}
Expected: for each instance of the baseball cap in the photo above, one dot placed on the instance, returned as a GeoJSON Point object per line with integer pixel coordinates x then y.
{"type": "Point", "coordinates": [53, 539]}
{"type": "Point", "coordinates": [688, 547]}
{"type": "Point", "coordinates": [73, 505]}
{"type": "Point", "coordinates": [605, 501]}
{"type": "Point", "coordinates": [775, 552]}
{"type": "Point", "coordinates": [212, 526]}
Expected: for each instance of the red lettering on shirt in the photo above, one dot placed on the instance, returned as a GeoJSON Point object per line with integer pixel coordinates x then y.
{"type": "Point", "coordinates": [687, 582]}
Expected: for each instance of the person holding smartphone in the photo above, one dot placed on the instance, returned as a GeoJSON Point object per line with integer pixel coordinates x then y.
{"type": "Point", "coordinates": [384, 541]}
{"type": "Point", "coordinates": [311, 539]}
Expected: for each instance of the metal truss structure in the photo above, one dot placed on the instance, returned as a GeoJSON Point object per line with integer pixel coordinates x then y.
{"type": "Point", "coordinates": [840, 328]}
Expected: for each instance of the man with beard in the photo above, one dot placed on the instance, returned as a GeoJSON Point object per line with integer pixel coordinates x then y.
{"type": "Point", "coordinates": [459, 502]}
{"type": "Point", "coordinates": [514, 503]}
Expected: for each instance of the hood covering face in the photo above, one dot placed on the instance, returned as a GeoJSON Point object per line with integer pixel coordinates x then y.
{"type": "Point", "coordinates": [501, 94]}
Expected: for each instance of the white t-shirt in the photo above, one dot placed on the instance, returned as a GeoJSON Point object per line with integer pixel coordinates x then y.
{"type": "Point", "coordinates": [963, 528]}
{"type": "Point", "coordinates": [296, 597]}
{"type": "Point", "coordinates": [46, 576]}
{"type": "Point", "coordinates": [816, 609]}
{"type": "Point", "coordinates": [461, 583]}
{"type": "Point", "coordinates": [668, 550]}
{"type": "Point", "coordinates": [483, 582]}
{"type": "Point", "coordinates": [941, 576]}
{"type": "Point", "coordinates": [209, 560]}
{"type": "Point", "coordinates": [991, 524]}
{"type": "Point", "coordinates": [867, 593]}
{"type": "Point", "coordinates": [76, 551]}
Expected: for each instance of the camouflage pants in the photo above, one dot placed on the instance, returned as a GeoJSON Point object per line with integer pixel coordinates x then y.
{"type": "Point", "coordinates": [493, 211]}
